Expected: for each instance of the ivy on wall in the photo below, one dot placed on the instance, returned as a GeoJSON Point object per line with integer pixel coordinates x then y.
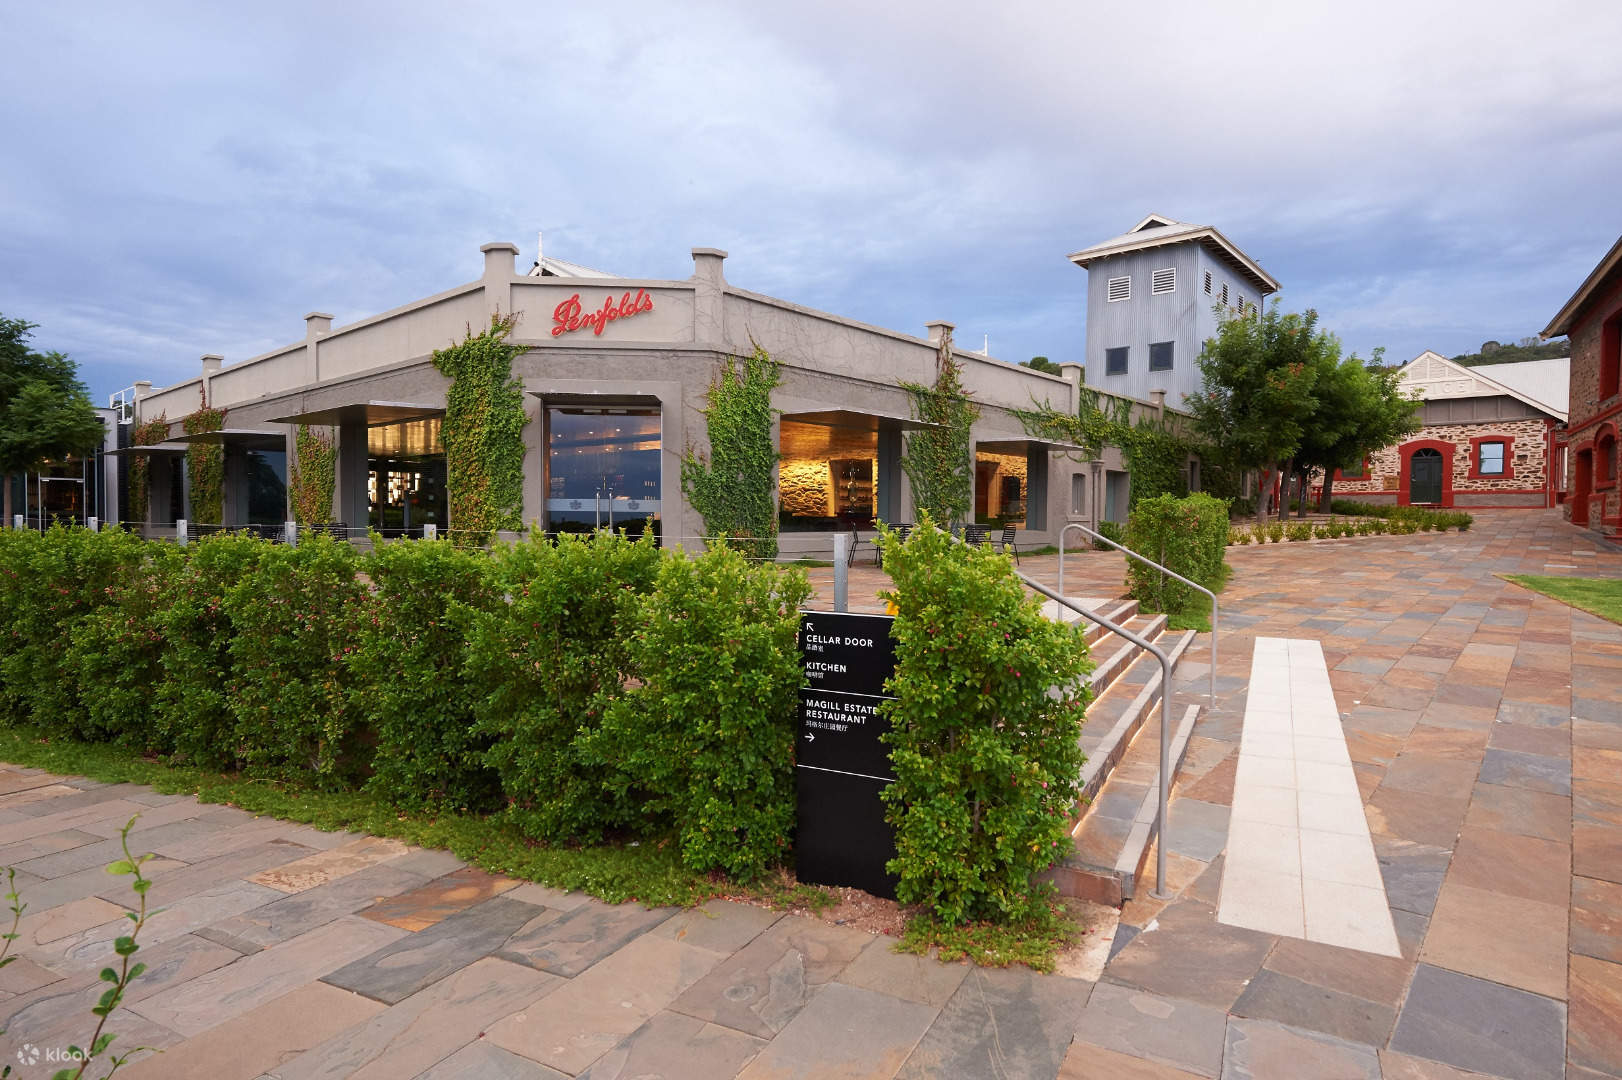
{"type": "Point", "coordinates": [1154, 451]}
{"type": "Point", "coordinates": [483, 433]}
{"type": "Point", "coordinates": [140, 469]}
{"type": "Point", "coordinates": [205, 463]}
{"type": "Point", "coordinates": [313, 477]}
{"type": "Point", "coordinates": [936, 459]}
{"type": "Point", "coordinates": [731, 486]}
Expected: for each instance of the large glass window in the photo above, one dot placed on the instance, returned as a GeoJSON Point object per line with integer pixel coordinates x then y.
{"type": "Point", "coordinates": [828, 477]}
{"type": "Point", "coordinates": [602, 469]}
{"type": "Point", "coordinates": [999, 488]}
{"type": "Point", "coordinates": [407, 477]}
{"type": "Point", "coordinates": [267, 486]}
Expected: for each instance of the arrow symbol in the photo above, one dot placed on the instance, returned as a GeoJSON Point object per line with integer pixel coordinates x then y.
{"type": "Point", "coordinates": [810, 736]}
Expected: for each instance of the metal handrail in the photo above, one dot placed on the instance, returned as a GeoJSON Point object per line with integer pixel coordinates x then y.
{"type": "Point", "coordinates": [1159, 892]}
{"type": "Point", "coordinates": [1172, 573]}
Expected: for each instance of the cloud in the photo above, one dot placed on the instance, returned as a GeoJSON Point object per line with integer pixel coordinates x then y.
{"type": "Point", "coordinates": [196, 177]}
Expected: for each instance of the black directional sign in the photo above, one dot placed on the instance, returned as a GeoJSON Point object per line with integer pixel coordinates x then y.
{"type": "Point", "coordinates": [842, 766]}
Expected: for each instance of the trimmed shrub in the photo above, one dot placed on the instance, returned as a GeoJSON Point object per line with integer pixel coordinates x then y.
{"type": "Point", "coordinates": [410, 687]}
{"type": "Point", "coordinates": [54, 580]}
{"type": "Point", "coordinates": [987, 760]}
{"type": "Point", "coordinates": [192, 704]}
{"type": "Point", "coordinates": [550, 661]}
{"type": "Point", "coordinates": [705, 741]}
{"type": "Point", "coordinates": [1238, 536]}
{"type": "Point", "coordinates": [293, 618]}
{"type": "Point", "coordinates": [1111, 530]}
{"type": "Point", "coordinates": [1184, 535]}
{"type": "Point", "coordinates": [117, 650]}
{"type": "Point", "coordinates": [1302, 530]}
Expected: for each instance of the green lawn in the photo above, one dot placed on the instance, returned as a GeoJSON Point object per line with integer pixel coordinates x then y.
{"type": "Point", "coordinates": [1600, 596]}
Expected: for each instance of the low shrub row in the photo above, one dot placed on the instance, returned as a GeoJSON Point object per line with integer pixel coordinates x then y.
{"type": "Point", "coordinates": [1423, 518]}
{"type": "Point", "coordinates": [583, 687]}
{"type": "Point", "coordinates": [1404, 524]}
{"type": "Point", "coordinates": [1186, 535]}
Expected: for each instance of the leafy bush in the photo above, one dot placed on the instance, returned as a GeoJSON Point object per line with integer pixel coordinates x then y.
{"type": "Point", "coordinates": [292, 619]}
{"type": "Point", "coordinates": [117, 650]}
{"type": "Point", "coordinates": [1110, 530]}
{"type": "Point", "coordinates": [1238, 536]}
{"type": "Point", "coordinates": [551, 660]}
{"type": "Point", "coordinates": [412, 692]}
{"type": "Point", "coordinates": [1259, 531]}
{"type": "Point", "coordinates": [1302, 530]}
{"type": "Point", "coordinates": [192, 703]}
{"type": "Point", "coordinates": [1275, 532]}
{"type": "Point", "coordinates": [987, 761]}
{"type": "Point", "coordinates": [52, 582]}
{"type": "Point", "coordinates": [705, 742]}
{"type": "Point", "coordinates": [1418, 516]}
{"type": "Point", "coordinates": [1185, 535]}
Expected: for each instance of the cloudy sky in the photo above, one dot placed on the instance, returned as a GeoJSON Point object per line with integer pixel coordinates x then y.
{"type": "Point", "coordinates": [186, 179]}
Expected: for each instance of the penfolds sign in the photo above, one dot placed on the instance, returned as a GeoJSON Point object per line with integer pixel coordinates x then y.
{"type": "Point", "coordinates": [570, 315]}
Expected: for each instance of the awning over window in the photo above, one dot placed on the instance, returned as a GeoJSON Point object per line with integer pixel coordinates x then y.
{"type": "Point", "coordinates": [155, 448]}
{"type": "Point", "coordinates": [369, 413]}
{"type": "Point", "coordinates": [241, 438]}
{"type": "Point", "coordinates": [1020, 446]}
{"type": "Point", "coordinates": [861, 421]}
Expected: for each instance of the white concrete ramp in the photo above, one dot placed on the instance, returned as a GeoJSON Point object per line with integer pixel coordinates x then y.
{"type": "Point", "coordinates": [1300, 862]}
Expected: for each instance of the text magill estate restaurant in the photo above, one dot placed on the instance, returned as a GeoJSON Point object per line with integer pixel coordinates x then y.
{"type": "Point", "coordinates": [615, 381]}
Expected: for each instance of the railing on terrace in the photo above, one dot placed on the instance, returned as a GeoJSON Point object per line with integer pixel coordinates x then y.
{"type": "Point", "coordinates": [1129, 553]}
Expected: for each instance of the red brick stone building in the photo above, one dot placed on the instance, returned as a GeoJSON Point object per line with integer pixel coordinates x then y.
{"type": "Point", "coordinates": [1489, 436]}
{"type": "Point", "coordinates": [1592, 319]}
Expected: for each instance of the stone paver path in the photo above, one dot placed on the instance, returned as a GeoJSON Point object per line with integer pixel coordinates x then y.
{"type": "Point", "coordinates": [1483, 725]}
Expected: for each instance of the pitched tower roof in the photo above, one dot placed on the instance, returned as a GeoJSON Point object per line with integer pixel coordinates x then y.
{"type": "Point", "coordinates": [1157, 230]}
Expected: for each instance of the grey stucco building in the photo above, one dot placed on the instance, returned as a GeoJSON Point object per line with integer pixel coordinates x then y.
{"type": "Point", "coordinates": [1152, 295]}
{"type": "Point", "coordinates": [613, 404]}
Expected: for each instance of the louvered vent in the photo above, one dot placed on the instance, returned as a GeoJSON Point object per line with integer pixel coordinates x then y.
{"type": "Point", "coordinates": [1163, 281]}
{"type": "Point", "coordinates": [1120, 288]}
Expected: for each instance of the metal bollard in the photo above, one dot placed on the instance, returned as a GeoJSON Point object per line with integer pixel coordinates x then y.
{"type": "Point", "coordinates": [93, 524]}
{"type": "Point", "coordinates": [16, 521]}
{"type": "Point", "coordinates": [841, 571]}
{"type": "Point", "coordinates": [180, 532]}
{"type": "Point", "coordinates": [290, 533]}
{"type": "Point", "coordinates": [430, 531]}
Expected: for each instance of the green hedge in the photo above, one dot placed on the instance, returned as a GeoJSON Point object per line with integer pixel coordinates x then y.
{"type": "Point", "coordinates": [987, 760]}
{"type": "Point", "coordinates": [1419, 517]}
{"type": "Point", "coordinates": [593, 687]}
{"type": "Point", "coordinates": [1187, 535]}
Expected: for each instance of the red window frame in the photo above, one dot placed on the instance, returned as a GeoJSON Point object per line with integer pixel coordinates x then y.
{"type": "Point", "coordinates": [1475, 457]}
{"type": "Point", "coordinates": [1340, 474]}
{"type": "Point", "coordinates": [1605, 457]}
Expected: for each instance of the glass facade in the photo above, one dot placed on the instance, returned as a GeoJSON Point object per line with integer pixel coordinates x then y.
{"type": "Point", "coordinates": [1000, 483]}
{"type": "Point", "coordinates": [603, 468]}
{"type": "Point", "coordinates": [267, 486]}
{"type": "Point", "coordinates": [827, 478]}
{"type": "Point", "coordinates": [406, 481]}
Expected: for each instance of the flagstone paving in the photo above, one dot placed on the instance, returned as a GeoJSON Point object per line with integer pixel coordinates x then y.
{"type": "Point", "coordinates": [1484, 729]}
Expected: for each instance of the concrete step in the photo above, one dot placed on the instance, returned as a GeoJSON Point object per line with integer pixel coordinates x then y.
{"type": "Point", "coordinates": [1113, 654]}
{"type": "Point", "coordinates": [1111, 842]}
{"type": "Point", "coordinates": [1113, 719]}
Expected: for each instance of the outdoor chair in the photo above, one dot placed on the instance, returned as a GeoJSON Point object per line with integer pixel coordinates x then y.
{"type": "Point", "coordinates": [901, 531]}
{"type": "Point", "coordinates": [975, 535]}
{"type": "Point", "coordinates": [1008, 546]}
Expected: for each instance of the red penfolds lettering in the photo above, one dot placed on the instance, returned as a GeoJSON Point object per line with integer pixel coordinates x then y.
{"type": "Point", "coordinates": [568, 316]}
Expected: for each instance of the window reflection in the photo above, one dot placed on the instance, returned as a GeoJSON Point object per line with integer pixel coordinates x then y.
{"type": "Point", "coordinates": [603, 468]}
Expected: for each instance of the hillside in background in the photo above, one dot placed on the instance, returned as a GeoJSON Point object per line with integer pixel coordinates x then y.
{"type": "Point", "coordinates": [1528, 348]}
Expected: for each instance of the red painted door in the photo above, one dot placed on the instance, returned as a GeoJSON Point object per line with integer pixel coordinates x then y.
{"type": "Point", "coordinates": [1582, 486]}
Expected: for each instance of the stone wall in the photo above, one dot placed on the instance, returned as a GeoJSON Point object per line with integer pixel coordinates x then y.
{"type": "Point", "coordinates": [1527, 460]}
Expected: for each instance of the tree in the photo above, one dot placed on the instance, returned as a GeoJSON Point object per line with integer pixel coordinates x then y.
{"type": "Point", "coordinates": [1361, 408]}
{"type": "Point", "coordinates": [1260, 372]}
{"type": "Point", "coordinates": [45, 411]}
{"type": "Point", "coordinates": [1041, 363]}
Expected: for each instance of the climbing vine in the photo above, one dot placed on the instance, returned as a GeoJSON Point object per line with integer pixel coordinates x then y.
{"type": "Point", "coordinates": [140, 470]}
{"type": "Point", "coordinates": [1153, 449]}
{"type": "Point", "coordinates": [206, 464]}
{"type": "Point", "coordinates": [936, 459]}
{"type": "Point", "coordinates": [731, 486]}
{"type": "Point", "coordinates": [483, 433]}
{"type": "Point", "coordinates": [312, 477]}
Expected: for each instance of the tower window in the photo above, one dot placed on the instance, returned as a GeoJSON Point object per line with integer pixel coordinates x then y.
{"type": "Point", "coordinates": [1160, 355]}
{"type": "Point", "coordinates": [1115, 361]}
